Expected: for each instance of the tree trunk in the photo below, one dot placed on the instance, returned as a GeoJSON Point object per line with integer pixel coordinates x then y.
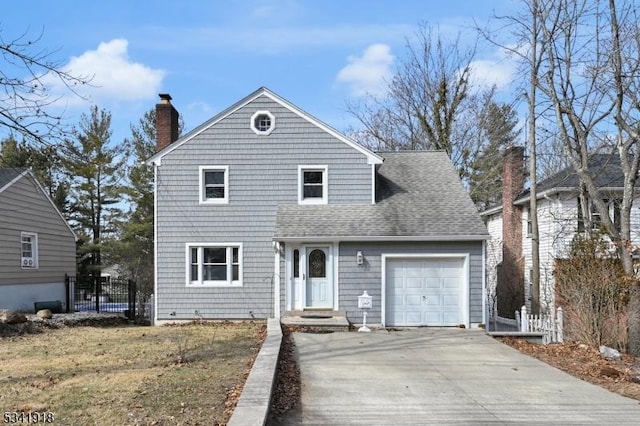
{"type": "Point", "coordinates": [533, 199]}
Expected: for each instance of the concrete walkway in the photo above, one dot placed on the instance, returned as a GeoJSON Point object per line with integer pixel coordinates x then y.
{"type": "Point", "coordinates": [440, 376]}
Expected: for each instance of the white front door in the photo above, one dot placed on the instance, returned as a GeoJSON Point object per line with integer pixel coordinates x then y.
{"type": "Point", "coordinates": [319, 278]}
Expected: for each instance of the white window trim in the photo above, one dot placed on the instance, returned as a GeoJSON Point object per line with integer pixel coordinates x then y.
{"type": "Point", "coordinates": [34, 250]}
{"type": "Point", "coordinates": [201, 188]}
{"type": "Point", "coordinates": [262, 132]}
{"type": "Point", "coordinates": [200, 282]}
{"type": "Point", "coordinates": [325, 184]}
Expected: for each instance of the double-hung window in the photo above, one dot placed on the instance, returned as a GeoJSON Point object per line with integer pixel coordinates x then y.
{"type": "Point", "coordinates": [214, 264]}
{"type": "Point", "coordinates": [596, 219]}
{"type": "Point", "coordinates": [29, 250]}
{"type": "Point", "coordinates": [214, 184]}
{"type": "Point", "coordinates": [312, 184]}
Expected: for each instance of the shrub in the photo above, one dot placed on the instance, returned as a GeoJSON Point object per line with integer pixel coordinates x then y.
{"type": "Point", "coordinates": [593, 291]}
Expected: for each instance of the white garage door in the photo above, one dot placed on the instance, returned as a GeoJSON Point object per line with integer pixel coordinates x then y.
{"type": "Point", "coordinates": [424, 291]}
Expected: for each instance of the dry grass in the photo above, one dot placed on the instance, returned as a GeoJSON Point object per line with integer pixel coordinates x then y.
{"type": "Point", "coordinates": [129, 375]}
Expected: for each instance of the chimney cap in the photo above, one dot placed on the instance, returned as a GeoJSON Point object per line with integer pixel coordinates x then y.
{"type": "Point", "coordinates": [165, 97]}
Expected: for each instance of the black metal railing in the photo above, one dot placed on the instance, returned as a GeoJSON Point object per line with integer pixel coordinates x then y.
{"type": "Point", "coordinates": [109, 295]}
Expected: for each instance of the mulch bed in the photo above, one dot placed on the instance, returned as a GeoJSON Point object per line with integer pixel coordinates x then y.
{"type": "Point", "coordinates": [586, 363]}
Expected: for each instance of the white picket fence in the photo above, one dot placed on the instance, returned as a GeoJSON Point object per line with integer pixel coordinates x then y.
{"type": "Point", "coordinates": [549, 324]}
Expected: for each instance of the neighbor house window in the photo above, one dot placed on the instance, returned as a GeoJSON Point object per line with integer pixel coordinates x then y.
{"type": "Point", "coordinates": [214, 264]}
{"type": "Point", "coordinates": [263, 123]}
{"type": "Point", "coordinates": [214, 184]}
{"type": "Point", "coordinates": [613, 206]}
{"type": "Point", "coordinates": [29, 250]}
{"type": "Point", "coordinates": [312, 184]}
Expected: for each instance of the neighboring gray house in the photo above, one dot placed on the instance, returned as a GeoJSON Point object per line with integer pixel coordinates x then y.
{"type": "Point", "coordinates": [37, 246]}
{"type": "Point", "coordinates": [264, 209]}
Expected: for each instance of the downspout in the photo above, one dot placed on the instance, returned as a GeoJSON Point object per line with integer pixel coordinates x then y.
{"type": "Point", "coordinates": [485, 305]}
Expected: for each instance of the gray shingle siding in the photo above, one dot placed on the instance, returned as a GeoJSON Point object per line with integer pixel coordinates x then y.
{"type": "Point", "coordinates": [25, 208]}
{"type": "Point", "coordinates": [355, 279]}
{"type": "Point", "coordinates": [263, 173]}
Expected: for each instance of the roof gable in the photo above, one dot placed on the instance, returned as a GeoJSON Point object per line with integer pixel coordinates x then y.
{"type": "Point", "coordinates": [9, 176]}
{"type": "Point", "coordinates": [372, 158]}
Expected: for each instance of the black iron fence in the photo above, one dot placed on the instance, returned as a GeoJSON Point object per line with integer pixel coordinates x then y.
{"type": "Point", "coordinates": [109, 295]}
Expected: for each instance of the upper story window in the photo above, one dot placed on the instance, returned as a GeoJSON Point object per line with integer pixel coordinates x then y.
{"type": "Point", "coordinates": [596, 219]}
{"type": "Point", "coordinates": [214, 264]}
{"type": "Point", "coordinates": [29, 250]}
{"type": "Point", "coordinates": [214, 184]}
{"type": "Point", "coordinates": [263, 123]}
{"type": "Point", "coordinates": [312, 184]}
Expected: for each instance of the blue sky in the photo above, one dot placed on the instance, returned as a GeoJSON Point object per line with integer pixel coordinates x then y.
{"type": "Point", "coordinates": [209, 54]}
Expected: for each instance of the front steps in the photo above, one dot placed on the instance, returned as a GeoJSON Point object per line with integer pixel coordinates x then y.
{"type": "Point", "coordinates": [317, 320]}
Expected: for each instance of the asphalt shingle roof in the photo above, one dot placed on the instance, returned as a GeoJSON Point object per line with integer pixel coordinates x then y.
{"type": "Point", "coordinates": [418, 193]}
{"type": "Point", "coordinates": [605, 168]}
{"type": "Point", "coordinates": [8, 174]}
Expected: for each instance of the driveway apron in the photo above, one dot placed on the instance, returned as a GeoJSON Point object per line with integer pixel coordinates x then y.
{"type": "Point", "coordinates": [440, 376]}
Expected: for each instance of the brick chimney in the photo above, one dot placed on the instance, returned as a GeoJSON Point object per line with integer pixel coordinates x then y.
{"type": "Point", "coordinates": [511, 275]}
{"type": "Point", "coordinates": [166, 122]}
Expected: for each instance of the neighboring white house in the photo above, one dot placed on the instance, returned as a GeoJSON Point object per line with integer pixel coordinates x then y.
{"type": "Point", "coordinates": [559, 220]}
{"type": "Point", "coordinates": [37, 246]}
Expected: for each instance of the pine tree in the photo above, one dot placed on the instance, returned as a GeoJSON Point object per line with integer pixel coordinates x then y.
{"type": "Point", "coordinates": [498, 125]}
{"type": "Point", "coordinates": [134, 250]}
{"type": "Point", "coordinates": [96, 169]}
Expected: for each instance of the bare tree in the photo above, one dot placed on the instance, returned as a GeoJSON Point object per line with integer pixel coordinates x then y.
{"type": "Point", "coordinates": [25, 93]}
{"type": "Point", "coordinates": [525, 28]}
{"type": "Point", "coordinates": [429, 104]}
{"type": "Point", "coordinates": [592, 69]}
{"type": "Point", "coordinates": [534, 62]}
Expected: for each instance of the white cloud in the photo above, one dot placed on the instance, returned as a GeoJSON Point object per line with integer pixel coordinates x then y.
{"type": "Point", "coordinates": [367, 74]}
{"type": "Point", "coordinates": [486, 73]}
{"type": "Point", "coordinates": [114, 76]}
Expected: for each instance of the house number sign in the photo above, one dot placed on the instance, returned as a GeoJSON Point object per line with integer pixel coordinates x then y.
{"type": "Point", "coordinates": [365, 301]}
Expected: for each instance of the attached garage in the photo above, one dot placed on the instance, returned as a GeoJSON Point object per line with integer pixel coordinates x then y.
{"type": "Point", "coordinates": [425, 290]}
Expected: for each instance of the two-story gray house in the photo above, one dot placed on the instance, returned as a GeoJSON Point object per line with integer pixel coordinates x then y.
{"type": "Point", "coordinates": [265, 209]}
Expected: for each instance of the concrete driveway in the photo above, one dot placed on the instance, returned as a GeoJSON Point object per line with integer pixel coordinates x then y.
{"type": "Point", "coordinates": [440, 376]}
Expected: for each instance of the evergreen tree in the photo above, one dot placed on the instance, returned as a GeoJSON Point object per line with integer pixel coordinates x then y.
{"type": "Point", "coordinates": [134, 250]}
{"type": "Point", "coordinates": [498, 126]}
{"type": "Point", "coordinates": [96, 169]}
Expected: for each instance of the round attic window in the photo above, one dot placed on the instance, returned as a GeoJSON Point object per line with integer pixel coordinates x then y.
{"type": "Point", "coordinates": [262, 122]}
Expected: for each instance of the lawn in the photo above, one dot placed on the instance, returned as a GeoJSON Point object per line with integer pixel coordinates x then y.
{"type": "Point", "coordinates": [169, 375]}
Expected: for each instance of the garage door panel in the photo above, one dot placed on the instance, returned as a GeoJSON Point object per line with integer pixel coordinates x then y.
{"type": "Point", "coordinates": [433, 303]}
{"type": "Point", "coordinates": [413, 318]}
{"type": "Point", "coordinates": [432, 318]}
{"type": "Point", "coordinates": [449, 301]}
{"type": "Point", "coordinates": [424, 291]}
{"type": "Point", "coordinates": [413, 300]}
{"type": "Point", "coordinates": [414, 283]}
{"type": "Point", "coordinates": [431, 283]}
{"type": "Point", "coordinates": [450, 283]}
{"type": "Point", "coordinates": [451, 318]}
